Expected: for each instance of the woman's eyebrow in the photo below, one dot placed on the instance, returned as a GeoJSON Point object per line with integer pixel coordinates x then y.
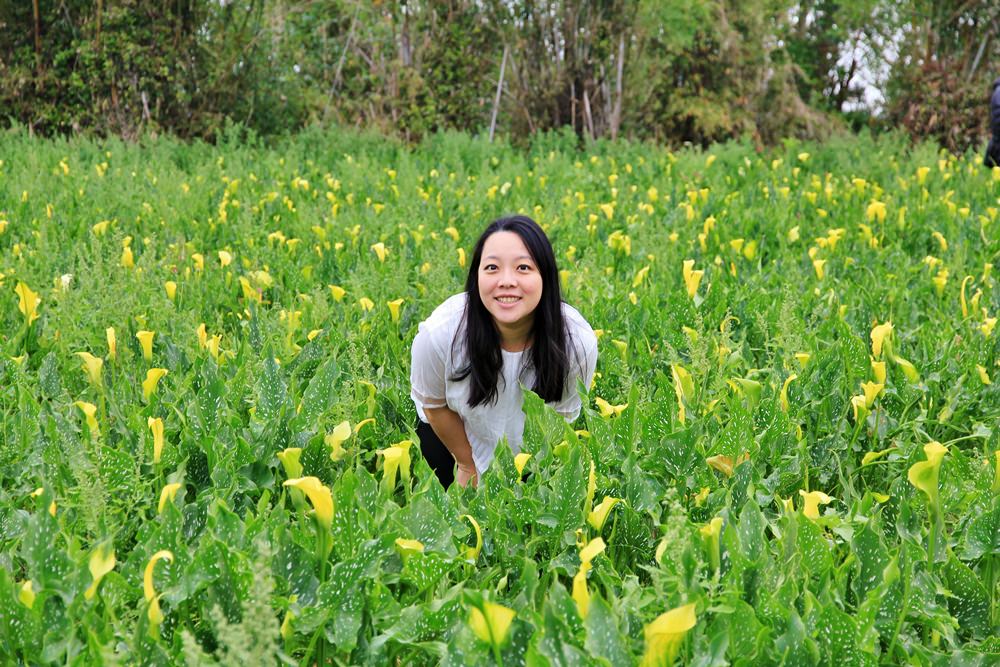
{"type": "Point", "coordinates": [527, 257]}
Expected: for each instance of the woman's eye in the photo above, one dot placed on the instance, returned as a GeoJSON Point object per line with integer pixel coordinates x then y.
{"type": "Point", "coordinates": [524, 267]}
{"type": "Point", "coordinates": [490, 267]}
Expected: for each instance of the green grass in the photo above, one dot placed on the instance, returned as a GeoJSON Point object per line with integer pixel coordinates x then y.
{"type": "Point", "coordinates": [884, 573]}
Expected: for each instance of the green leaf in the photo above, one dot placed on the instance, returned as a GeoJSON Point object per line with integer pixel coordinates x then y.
{"type": "Point", "coordinates": [983, 534]}
{"type": "Point", "coordinates": [48, 376]}
{"type": "Point", "coordinates": [837, 638]}
{"type": "Point", "coordinates": [427, 524]}
{"type": "Point", "coordinates": [319, 394]}
{"type": "Point", "coordinates": [813, 547]}
{"type": "Point", "coordinates": [271, 390]}
{"type": "Point", "coordinates": [48, 565]}
{"type": "Point", "coordinates": [971, 602]}
{"type": "Point", "coordinates": [604, 639]}
{"type": "Point", "coordinates": [564, 504]}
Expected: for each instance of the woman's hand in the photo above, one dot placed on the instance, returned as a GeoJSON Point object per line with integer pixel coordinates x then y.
{"type": "Point", "coordinates": [466, 475]}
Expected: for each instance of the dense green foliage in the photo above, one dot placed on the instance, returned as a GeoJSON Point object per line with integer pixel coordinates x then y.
{"type": "Point", "coordinates": [674, 71]}
{"type": "Point", "coordinates": [735, 398]}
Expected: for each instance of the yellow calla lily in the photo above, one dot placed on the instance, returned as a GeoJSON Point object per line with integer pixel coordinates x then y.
{"type": "Point", "coordinates": [393, 456]}
{"type": "Point", "coordinates": [337, 292]}
{"type": "Point", "coordinates": [225, 258]}
{"type": "Point", "coordinates": [407, 547]}
{"type": "Point", "coordinates": [803, 358]}
{"type": "Point", "coordinates": [683, 388]}
{"type": "Point", "coordinates": [89, 411]}
{"type": "Point", "coordinates": [170, 287]}
{"type": "Point", "coordinates": [691, 277]}
{"type": "Point", "coordinates": [878, 370]}
{"type": "Point", "coordinates": [146, 342]}
{"type": "Point", "coordinates": [984, 377]}
{"type": "Point", "coordinates": [880, 335]}
{"type": "Point", "coordinates": [93, 366]}
{"type": "Point", "coordinates": [599, 516]}
{"type": "Point", "coordinates": [319, 495]}
{"type": "Point", "coordinates": [472, 553]}
{"type": "Point", "coordinates": [155, 425]}
{"type": "Point", "coordinates": [924, 474]}
{"type": "Point", "coordinates": [112, 343]}
{"type": "Point", "coordinates": [380, 251]}
{"type": "Point", "coordinates": [167, 494]}
{"type": "Point", "coordinates": [811, 500]}
{"type": "Point", "coordinates": [289, 459]}
{"type": "Point", "coordinates": [28, 302]}
{"type": "Point", "coordinates": [784, 391]}
{"type": "Point", "coordinates": [580, 593]}
{"type": "Point", "coordinates": [491, 623]}
{"type": "Point", "coordinates": [520, 461]}
{"type": "Point", "coordinates": [665, 634]}
{"type": "Point", "coordinates": [607, 410]}
{"type": "Point", "coordinates": [102, 561]}
{"type": "Point", "coordinates": [153, 613]}
{"type": "Point", "coordinates": [872, 390]}
{"type": "Point", "coordinates": [340, 434]}
{"type": "Point", "coordinates": [393, 307]}
{"type": "Point", "coordinates": [588, 503]}
{"type": "Point", "coordinates": [909, 370]}
{"type": "Point", "coordinates": [711, 532]}
{"type": "Point", "coordinates": [26, 593]}
{"type": "Point", "coordinates": [153, 376]}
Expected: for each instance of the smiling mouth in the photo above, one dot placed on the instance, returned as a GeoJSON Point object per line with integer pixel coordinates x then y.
{"type": "Point", "coordinates": [508, 299]}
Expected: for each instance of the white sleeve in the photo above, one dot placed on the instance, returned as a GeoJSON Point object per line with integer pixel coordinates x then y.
{"type": "Point", "coordinates": [427, 372]}
{"type": "Point", "coordinates": [584, 358]}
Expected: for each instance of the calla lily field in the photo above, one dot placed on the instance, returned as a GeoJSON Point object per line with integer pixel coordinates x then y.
{"type": "Point", "coordinates": [789, 455]}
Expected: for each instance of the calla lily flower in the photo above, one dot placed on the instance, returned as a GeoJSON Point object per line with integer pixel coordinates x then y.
{"type": "Point", "coordinates": [89, 411]}
{"type": "Point", "coordinates": [112, 343]}
{"type": "Point", "coordinates": [167, 494]}
{"type": "Point", "coordinates": [380, 251]}
{"type": "Point", "coordinates": [319, 495]}
{"type": "Point", "coordinates": [749, 388]}
{"type": "Point", "coordinates": [408, 547]}
{"type": "Point", "coordinates": [924, 474]}
{"type": "Point", "coordinates": [127, 259]}
{"type": "Point", "coordinates": [819, 266]}
{"type": "Point", "coordinates": [26, 593]}
{"type": "Point", "coordinates": [202, 334]}
{"type": "Point", "coordinates": [984, 377]}
{"type": "Point", "coordinates": [340, 434]}
{"type": "Point", "coordinates": [28, 302]}
{"type": "Point", "coordinates": [803, 358]}
{"type": "Point", "coordinates": [811, 501]}
{"type": "Point", "coordinates": [170, 287]}
{"type": "Point", "coordinates": [692, 278]}
{"type": "Point", "coordinates": [290, 462]}
{"type": "Point", "coordinates": [472, 553]}
{"type": "Point", "coordinates": [599, 516]}
{"type": "Point", "coordinates": [725, 464]}
{"type": "Point", "coordinates": [872, 390]}
{"type": "Point", "coordinates": [225, 258]}
{"type": "Point", "coordinates": [337, 292]}
{"type": "Point", "coordinates": [665, 634]}
{"type": "Point", "coordinates": [154, 613]}
{"type": "Point", "coordinates": [390, 466]}
{"type": "Point", "coordinates": [156, 428]}
{"type": "Point", "coordinates": [640, 276]}
{"type": "Point", "coordinates": [878, 370]}
{"type": "Point", "coordinates": [520, 461]}
{"type": "Point", "coordinates": [394, 309]}
{"type": "Point", "coordinates": [880, 335]}
{"type": "Point", "coordinates": [102, 561]}
{"type": "Point", "coordinates": [711, 532]}
{"type": "Point", "coordinates": [683, 388]}
{"type": "Point", "coordinates": [366, 303]}
{"type": "Point", "coordinates": [909, 370]}
{"type": "Point", "coordinates": [580, 593]}
{"type": "Point", "coordinates": [784, 391]}
{"type": "Point", "coordinates": [92, 365]}
{"type": "Point", "coordinates": [146, 341]}
{"type": "Point", "coordinates": [491, 623]}
{"type": "Point", "coordinates": [588, 503]}
{"type": "Point", "coordinates": [607, 410]}
{"type": "Point", "coordinates": [153, 376]}
{"type": "Point", "coordinates": [404, 459]}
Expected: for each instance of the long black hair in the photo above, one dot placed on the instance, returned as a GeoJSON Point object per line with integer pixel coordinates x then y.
{"type": "Point", "coordinates": [549, 351]}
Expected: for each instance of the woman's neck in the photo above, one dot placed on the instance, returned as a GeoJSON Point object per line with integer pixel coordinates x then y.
{"type": "Point", "coordinates": [515, 338]}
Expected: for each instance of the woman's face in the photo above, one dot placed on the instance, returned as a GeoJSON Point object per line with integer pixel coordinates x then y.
{"type": "Point", "coordinates": [510, 285]}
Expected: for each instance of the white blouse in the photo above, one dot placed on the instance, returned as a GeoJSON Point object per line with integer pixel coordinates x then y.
{"type": "Point", "coordinates": [437, 355]}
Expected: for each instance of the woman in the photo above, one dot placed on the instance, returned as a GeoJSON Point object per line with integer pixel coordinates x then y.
{"type": "Point", "coordinates": [471, 356]}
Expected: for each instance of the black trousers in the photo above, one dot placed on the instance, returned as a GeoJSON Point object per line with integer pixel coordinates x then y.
{"type": "Point", "coordinates": [436, 454]}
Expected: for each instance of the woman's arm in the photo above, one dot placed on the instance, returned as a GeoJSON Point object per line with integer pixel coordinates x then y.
{"type": "Point", "coordinates": [448, 426]}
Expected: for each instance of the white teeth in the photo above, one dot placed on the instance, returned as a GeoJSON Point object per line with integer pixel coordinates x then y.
{"type": "Point", "coordinates": [508, 299]}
